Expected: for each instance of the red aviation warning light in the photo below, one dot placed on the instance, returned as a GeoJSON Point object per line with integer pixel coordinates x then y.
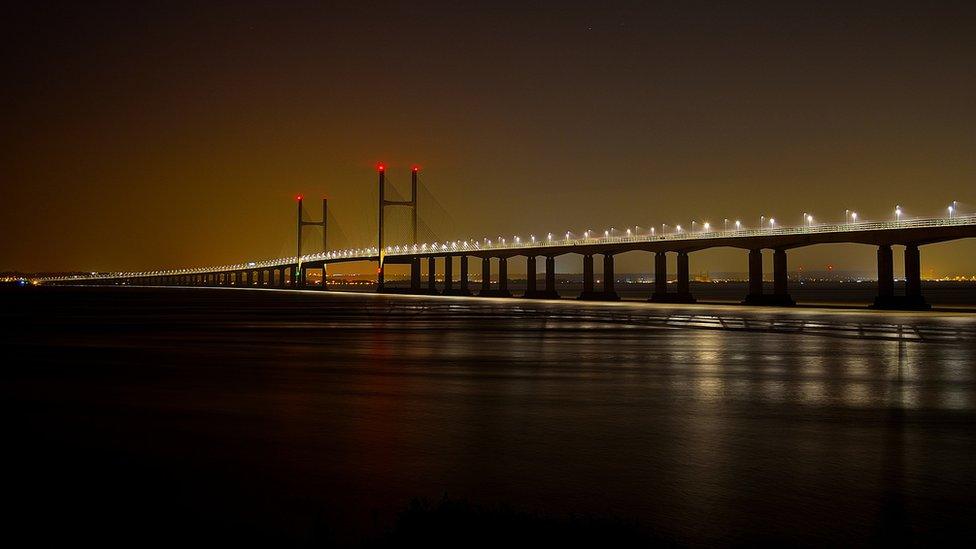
{"type": "Point", "coordinates": [415, 168]}
{"type": "Point", "coordinates": [299, 198]}
{"type": "Point", "coordinates": [380, 167]}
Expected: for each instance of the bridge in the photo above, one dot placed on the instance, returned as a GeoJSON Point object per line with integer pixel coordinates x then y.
{"type": "Point", "coordinates": [292, 272]}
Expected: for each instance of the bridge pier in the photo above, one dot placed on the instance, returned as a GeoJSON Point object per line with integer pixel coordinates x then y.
{"type": "Point", "coordinates": [608, 292]}
{"type": "Point", "coordinates": [913, 299]}
{"type": "Point", "coordinates": [415, 275]}
{"type": "Point", "coordinates": [502, 290]}
{"type": "Point", "coordinates": [780, 295]}
{"type": "Point", "coordinates": [462, 285]}
{"type": "Point", "coordinates": [532, 290]}
{"type": "Point", "coordinates": [661, 295]}
{"type": "Point", "coordinates": [448, 274]}
{"type": "Point", "coordinates": [755, 295]}
{"type": "Point", "coordinates": [550, 291]}
{"type": "Point", "coordinates": [431, 275]}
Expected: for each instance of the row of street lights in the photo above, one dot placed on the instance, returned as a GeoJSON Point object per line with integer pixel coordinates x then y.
{"type": "Point", "coordinates": [850, 216]}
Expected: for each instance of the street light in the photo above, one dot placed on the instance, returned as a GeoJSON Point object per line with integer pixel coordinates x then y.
{"type": "Point", "coordinates": [706, 226]}
{"type": "Point", "coordinates": [897, 212]}
{"type": "Point", "coordinates": [853, 217]}
{"type": "Point", "coordinates": [725, 224]}
{"type": "Point", "coordinates": [847, 216]}
{"type": "Point", "coordinates": [772, 222]}
{"type": "Point", "coordinates": [738, 224]}
{"type": "Point", "coordinates": [809, 219]}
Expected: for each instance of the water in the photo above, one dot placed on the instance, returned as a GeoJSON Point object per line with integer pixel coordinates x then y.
{"type": "Point", "coordinates": [299, 417]}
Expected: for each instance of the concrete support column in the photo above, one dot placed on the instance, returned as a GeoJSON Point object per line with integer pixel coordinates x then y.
{"type": "Point", "coordinates": [660, 276]}
{"type": "Point", "coordinates": [551, 278]}
{"type": "Point", "coordinates": [532, 284]}
{"type": "Point", "coordinates": [684, 286]}
{"type": "Point", "coordinates": [912, 299]}
{"type": "Point", "coordinates": [587, 274]}
{"type": "Point", "coordinates": [606, 292]}
{"type": "Point", "coordinates": [755, 277]}
{"type": "Point", "coordinates": [448, 274]}
{"type": "Point", "coordinates": [325, 278]}
{"type": "Point", "coordinates": [415, 274]}
{"type": "Point", "coordinates": [485, 275]}
{"type": "Point", "coordinates": [502, 275]}
{"type": "Point", "coordinates": [913, 272]}
{"type": "Point", "coordinates": [886, 272]}
{"type": "Point", "coordinates": [463, 282]}
{"type": "Point", "coordinates": [608, 276]}
{"type": "Point", "coordinates": [781, 294]}
{"type": "Point", "coordinates": [779, 272]}
{"type": "Point", "coordinates": [432, 275]}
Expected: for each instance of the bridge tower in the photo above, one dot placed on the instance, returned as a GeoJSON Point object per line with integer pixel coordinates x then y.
{"type": "Point", "coordinates": [412, 204]}
{"type": "Point", "coordinates": [299, 274]}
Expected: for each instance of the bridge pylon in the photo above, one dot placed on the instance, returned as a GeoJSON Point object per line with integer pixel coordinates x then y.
{"type": "Point", "coordinates": [299, 275]}
{"type": "Point", "coordinates": [383, 203]}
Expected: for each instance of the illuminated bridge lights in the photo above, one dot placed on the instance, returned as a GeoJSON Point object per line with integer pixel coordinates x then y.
{"type": "Point", "coordinates": [769, 228]}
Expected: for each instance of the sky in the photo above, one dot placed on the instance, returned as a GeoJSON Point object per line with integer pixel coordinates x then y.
{"type": "Point", "coordinates": [143, 135]}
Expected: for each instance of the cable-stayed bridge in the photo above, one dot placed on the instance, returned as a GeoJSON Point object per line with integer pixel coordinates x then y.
{"type": "Point", "coordinates": [292, 272]}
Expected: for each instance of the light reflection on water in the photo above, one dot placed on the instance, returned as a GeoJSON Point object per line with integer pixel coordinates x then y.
{"type": "Point", "coordinates": [707, 423]}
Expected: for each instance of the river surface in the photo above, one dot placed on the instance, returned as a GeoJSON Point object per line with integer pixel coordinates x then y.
{"type": "Point", "coordinates": [297, 418]}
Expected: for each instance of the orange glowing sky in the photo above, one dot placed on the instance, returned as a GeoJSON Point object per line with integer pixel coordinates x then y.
{"type": "Point", "coordinates": [142, 137]}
